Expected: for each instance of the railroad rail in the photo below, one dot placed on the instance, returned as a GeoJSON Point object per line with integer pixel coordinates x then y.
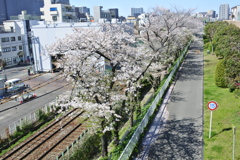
{"type": "Point", "coordinates": [50, 139]}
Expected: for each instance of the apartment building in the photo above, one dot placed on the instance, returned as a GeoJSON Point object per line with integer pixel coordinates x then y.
{"type": "Point", "coordinates": [58, 12]}
{"type": "Point", "coordinates": [11, 44]}
{"type": "Point", "coordinates": [224, 12]}
{"type": "Point", "coordinates": [235, 13]}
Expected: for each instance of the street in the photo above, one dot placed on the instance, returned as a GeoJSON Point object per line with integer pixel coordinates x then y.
{"type": "Point", "coordinates": [178, 134]}
{"type": "Point", "coordinates": [13, 111]}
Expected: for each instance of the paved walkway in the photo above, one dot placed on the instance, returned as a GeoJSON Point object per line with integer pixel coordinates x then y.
{"type": "Point", "coordinates": [177, 131]}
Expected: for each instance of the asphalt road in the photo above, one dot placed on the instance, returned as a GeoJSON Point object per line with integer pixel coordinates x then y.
{"type": "Point", "coordinates": [178, 134]}
{"type": "Point", "coordinates": [13, 111]}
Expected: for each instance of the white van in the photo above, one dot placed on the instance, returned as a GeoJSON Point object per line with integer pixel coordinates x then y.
{"type": "Point", "coordinates": [13, 85]}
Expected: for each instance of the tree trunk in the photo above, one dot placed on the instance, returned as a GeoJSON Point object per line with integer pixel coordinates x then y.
{"type": "Point", "coordinates": [138, 105]}
{"type": "Point", "coordinates": [116, 134]}
{"type": "Point", "coordinates": [131, 117]}
{"type": "Point", "coordinates": [212, 48]}
{"type": "Point", "coordinates": [104, 143]}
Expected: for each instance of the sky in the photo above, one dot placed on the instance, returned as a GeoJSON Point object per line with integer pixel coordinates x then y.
{"type": "Point", "coordinates": [124, 6]}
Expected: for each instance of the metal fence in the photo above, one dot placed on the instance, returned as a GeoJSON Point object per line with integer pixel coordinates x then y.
{"type": "Point", "coordinates": [28, 119]}
{"type": "Point", "coordinates": [67, 153]}
{"type": "Point", "coordinates": [135, 138]}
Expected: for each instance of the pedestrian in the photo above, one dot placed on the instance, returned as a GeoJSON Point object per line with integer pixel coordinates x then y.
{"type": "Point", "coordinates": [28, 72]}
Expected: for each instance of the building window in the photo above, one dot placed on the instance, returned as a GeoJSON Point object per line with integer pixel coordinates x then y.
{"type": "Point", "coordinates": [14, 48]}
{"type": "Point", "coordinates": [8, 61]}
{"type": "Point", "coordinates": [5, 39]}
{"type": "Point", "coordinates": [53, 9]}
{"type": "Point", "coordinates": [12, 38]}
{"type": "Point", "coordinates": [19, 38]}
{"type": "Point", "coordinates": [15, 60]}
{"type": "Point", "coordinates": [7, 49]}
{"type": "Point", "coordinates": [54, 18]}
{"type": "Point", "coordinates": [20, 47]}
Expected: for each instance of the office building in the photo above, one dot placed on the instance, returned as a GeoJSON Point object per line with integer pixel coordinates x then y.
{"type": "Point", "coordinates": [114, 12]}
{"type": "Point", "coordinates": [84, 10]}
{"type": "Point", "coordinates": [136, 11]}
{"type": "Point", "coordinates": [15, 7]}
{"type": "Point", "coordinates": [224, 12]}
{"type": "Point", "coordinates": [101, 14]}
{"type": "Point", "coordinates": [82, 13]}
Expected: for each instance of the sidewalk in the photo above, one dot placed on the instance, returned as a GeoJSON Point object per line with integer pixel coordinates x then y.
{"type": "Point", "coordinates": [176, 132]}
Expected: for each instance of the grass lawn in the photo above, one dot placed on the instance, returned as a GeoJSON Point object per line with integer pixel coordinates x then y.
{"type": "Point", "coordinates": [227, 115]}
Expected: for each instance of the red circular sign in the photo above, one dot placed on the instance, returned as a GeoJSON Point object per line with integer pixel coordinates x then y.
{"type": "Point", "coordinates": [212, 105]}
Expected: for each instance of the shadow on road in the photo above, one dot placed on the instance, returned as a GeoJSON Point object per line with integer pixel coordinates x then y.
{"type": "Point", "coordinates": [178, 140]}
{"type": "Point", "coordinates": [177, 97]}
{"type": "Point", "coordinates": [191, 70]}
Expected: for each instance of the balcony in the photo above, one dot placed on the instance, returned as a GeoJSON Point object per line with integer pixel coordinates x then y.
{"type": "Point", "coordinates": [7, 30]}
{"type": "Point", "coordinates": [53, 12]}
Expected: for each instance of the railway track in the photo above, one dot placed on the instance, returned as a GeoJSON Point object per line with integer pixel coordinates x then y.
{"type": "Point", "coordinates": [50, 141]}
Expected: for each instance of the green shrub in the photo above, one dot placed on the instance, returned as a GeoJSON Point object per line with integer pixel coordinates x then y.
{"type": "Point", "coordinates": [206, 45]}
{"type": "Point", "coordinates": [89, 149]}
{"type": "Point", "coordinates": [231, 87]}
{"type": "Point", "coordinates": [42, 116]}
{"type": "Point", "coordinates": [220, 79]}
{"type": "Point", "coordinates": [237, 93]}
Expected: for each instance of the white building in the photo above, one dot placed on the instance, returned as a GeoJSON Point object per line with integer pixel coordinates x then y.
{"type": "Point", "coordinates": [224, 12]}
{"type": "Point", "coordinates": [58, 12]}
{"type": "Point", "coordinates": [43, 35]}
{"type": "Point", "coordinates": [235, 13]}
{"type": "Point", "coordinates": [13, 44]}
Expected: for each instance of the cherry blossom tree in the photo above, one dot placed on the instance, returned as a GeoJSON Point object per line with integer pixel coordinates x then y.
{"type": "Point", "coordinates": [106, 64]}
{"type": "Point", "coordinates": [86, 54]}
{"type": "Point", "coordinates": [166, 32]}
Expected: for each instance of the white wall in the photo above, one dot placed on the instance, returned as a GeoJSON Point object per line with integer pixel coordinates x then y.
{"type": "Point", "coordinates": [45, 34]}
{"type": "Point", "coordinates": [16, 32]}
{"type": "Point", "coordinates": [48, 35]}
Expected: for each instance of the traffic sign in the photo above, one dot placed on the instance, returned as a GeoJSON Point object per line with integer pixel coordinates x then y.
{"type": "Point", "coordinates": [212, 105]}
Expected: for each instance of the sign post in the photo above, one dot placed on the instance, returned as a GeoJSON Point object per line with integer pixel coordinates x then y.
{"type": "Point", "coordinates": [212, 105]}
{"type": "Point", "coordinates": [234, 137]}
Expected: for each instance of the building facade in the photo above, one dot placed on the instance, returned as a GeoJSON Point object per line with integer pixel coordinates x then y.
{"type": "Point", "coordinates": [110, 15]}
{"type": "Point", "coordinates": [11, 44]}
{"type": "Point", "coordinates": [100, 14]}
{"type": "Point", "coordinates": [82, 13]}
{"type": "Point", "coordinates": [136, 11]}
{"type": "Point", "coordinates": [235, 13]}
{"type": "Point", "coordinates": [114, 12]}
{"type": "Point", "coordinates": [224, 12]}
{"type": "Point", "coordinates": [10, 8]}
{"type": "Point", "coordinates": [57, 12]}
{"type": "Point", "coordinates": [84, 10]}
{"type": "Point", "coordinates": [211, 14]}
{"type": "Point", "coordinates": [43, 36]}
{"type": "Point", "coordinates": [60, 1]}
